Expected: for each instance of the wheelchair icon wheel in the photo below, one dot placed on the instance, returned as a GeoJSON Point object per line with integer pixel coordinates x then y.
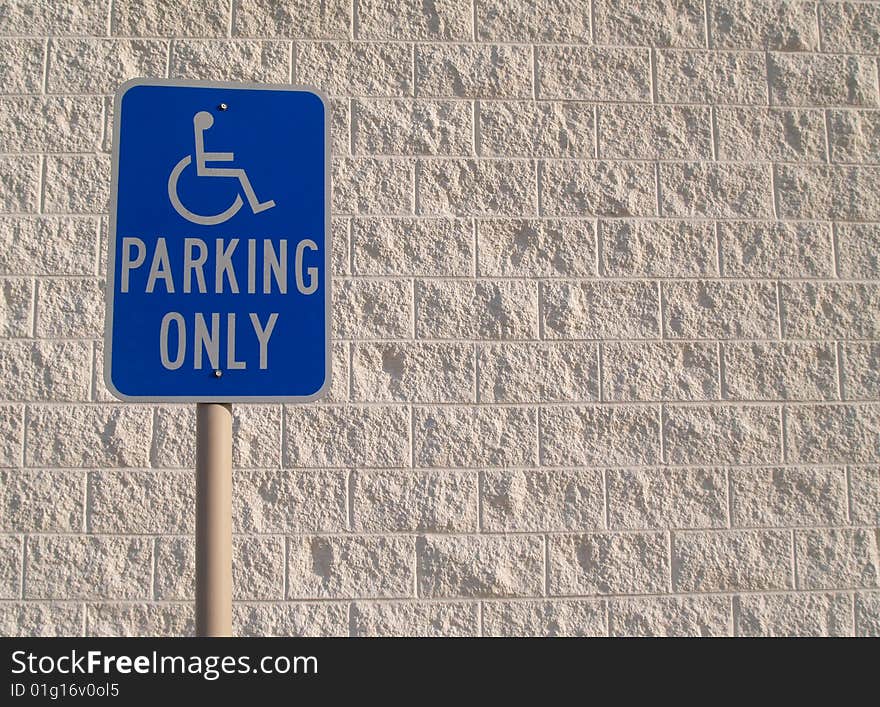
{"type": "Point", "coordinates": [186, 213]}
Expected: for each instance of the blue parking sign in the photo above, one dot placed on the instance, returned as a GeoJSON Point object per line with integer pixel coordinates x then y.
{"type": "Point", "coordinates": [217, 280]}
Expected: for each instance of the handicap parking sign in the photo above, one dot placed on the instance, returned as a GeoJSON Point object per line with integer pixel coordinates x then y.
{"type": "Point", "coordinates": [217, 280]}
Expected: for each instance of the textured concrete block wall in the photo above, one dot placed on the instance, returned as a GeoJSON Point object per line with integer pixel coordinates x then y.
{"type": "Point", "coordinates": [606, 309]}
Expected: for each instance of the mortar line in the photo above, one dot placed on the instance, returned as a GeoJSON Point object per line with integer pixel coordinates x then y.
{"type": "Point", "coordinates": [292, 62]}
{"type": "Point", "coordinates": [422, 470]}
{"type": "Point", "coordinates": [400, 405]}
{"type": "Point", "coordinates": [69, 216]}
{"type": "Point", "coordinates": [605, 502]}
{"type": "Point", "coordinates": [415, 548]}
{"type": "Point", "coordinates": [662, 415]}
{"type": "Point", "coordinates": [347, 499]}
{"type": "Point", "coordinates": [728, 478]}
{"type": "Point", "coordinates": [779, 321]}
{"type": "Point", "coordinates": [349, 243]}
{"type": "Point", "coordinates": [93, 383]}
{"type": "Point", "coordinates": [385, 600]}
{"type": "Point", "coordinates": [585, 44]}
{"type": "Point", "coordinates": [607, 615]}
{"type": "Point", "coordinates": [827, 125]}
{"type": "Point", "coordinates": [877, 64]}
{"type": "Point", "coordinates": [819, 37]}
{"type": "Point", "coordinates": [853, 616]}
{"type": "Point", "coordinates": [767, 78]}
{"type": "Point", "coordinates": [168, 58]}
{"type": "Point", "coordinates": [707, 32]}
{"type": "Point", "coordinates": [23, 565]}
{"type": "Point", "coordinates": [474, 19]}
{"type": "Point", "coordinates": [475, 269]}
{"type": "Point", "coordinates": [713, 126]}
{"type": "Point", "coordinates": [481, 479]}
{"type": "Point", "coordinates": [540, 302]}
{"type": "Point", "coordinates": [412, 437]}
{"type": "Point", "coordinates": [502, 405]}
{"type": "Point", "coordinates": [835, 249]}
{"type": "Point", "coordinates": [86, 518]}
{"type": "Point", "coordinates": [462, 157]}
{"type": "Point", "coordinates": [24, 430]}
{"type": "Point", "coordinates": [600, 270]}
{"type": "Point", "coordinates": [476, 127]}
{"type": "Point", "coordinates": [669, 558]}
{"type": "Point", "coordinates": [774, 193]}
{"type": "Point", "coordinates": [35, 309]}
{"type": "Point", "coordinates": [45, 76]}
{"type": "Point", "coordinates": [657, 188]}
{"type": "Point", "coordinates": [350, 491]}
{"type": "Point", "coordinates": [280, 458]}
{"type": "Point", "coordinates": [847, 479]}
{"type": "Point", "coordinates": [600, 370]}
{"type": "Point", "coordinates": [413, 332]}
{"type": "Point", "coordinates": [546, 566]}
{"type": "Point", "coordinates": [783, 436]}
{"type": "Point", "coordinates": [110, 9]}
{"type": "Point", "coordinates": [652, 60]}
{"type": "Point", "coordinates": [592, 21]}
{"type": "Point", "coordinates": [838, 360]}
{"type": "Point", "coordinates": [538, 435]}
{"type": "Point", "coordinates": [535, 86]}
{"type": "Point", "coordinates": [154, 441]}
{"type": "Point", "coordinates": [230, 21]}
{"type": "Point", "coordinates": [717, 229]}
{"type": "Point", "coordinates": [349, 377]}
{"type": "Point", "coordinates": [154, 550]}
{"type": "Point", "coordinates": [92, 373]}
{"type": "Point", "coordinates": [415, 87]}
{"type": "Point", "coordinates": [539, 186]}
{"type": "Point", "coordinates": [734, 612]}
{"type": "Point", "coordinates": [241, 39]}
{"type": "Point", "coordinates": [794, 568]}
{"type": "Point", "coordinates": [285, 571]}
{"type": "Point", "coordinates": [105, 110]}
{"type": "Point", "coordinates": [476, 352]}
{"type": "Point", "coordinates": [284, 437]}
{"type": "Point", "coordinates": [451, 98]}
{"type": "Point", "coordinates": [660, 310]}
{"type": "Point", "coordinates": [480, 619]}
{"type": "Point", "coordinates": [417, 206]}
{"type": "Point", "coordinates": [596, 131]}
{"type": "Point", "coordinates": [42, 184]}
{"type": "Point", "coordinates": [722, 382]}
{"type": "Point", "coordinates": [352, 128]}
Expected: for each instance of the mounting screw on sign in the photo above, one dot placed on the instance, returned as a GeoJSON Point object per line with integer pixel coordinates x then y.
{"type": "Point", "coordinates": [219, 243]}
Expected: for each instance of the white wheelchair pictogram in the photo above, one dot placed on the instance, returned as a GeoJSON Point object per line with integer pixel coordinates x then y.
{"type": "Point", "coordinates": [201, 122]}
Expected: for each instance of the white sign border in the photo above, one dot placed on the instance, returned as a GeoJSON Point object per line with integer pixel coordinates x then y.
{"type": "Point", "coordinates": [111, 247]}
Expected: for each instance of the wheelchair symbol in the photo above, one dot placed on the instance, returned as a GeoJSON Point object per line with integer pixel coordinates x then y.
{"type": "Point", "coordinates": [201, 122]}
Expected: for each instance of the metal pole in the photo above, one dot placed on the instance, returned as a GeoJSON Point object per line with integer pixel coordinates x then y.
{"type": "Point", "coordinates": [214, 519]}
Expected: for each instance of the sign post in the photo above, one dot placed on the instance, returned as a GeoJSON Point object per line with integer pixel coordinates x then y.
{"type": "Point", "coordinates": [213, 519]}
{"type": "Point", "coordinates": [218, 275]}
